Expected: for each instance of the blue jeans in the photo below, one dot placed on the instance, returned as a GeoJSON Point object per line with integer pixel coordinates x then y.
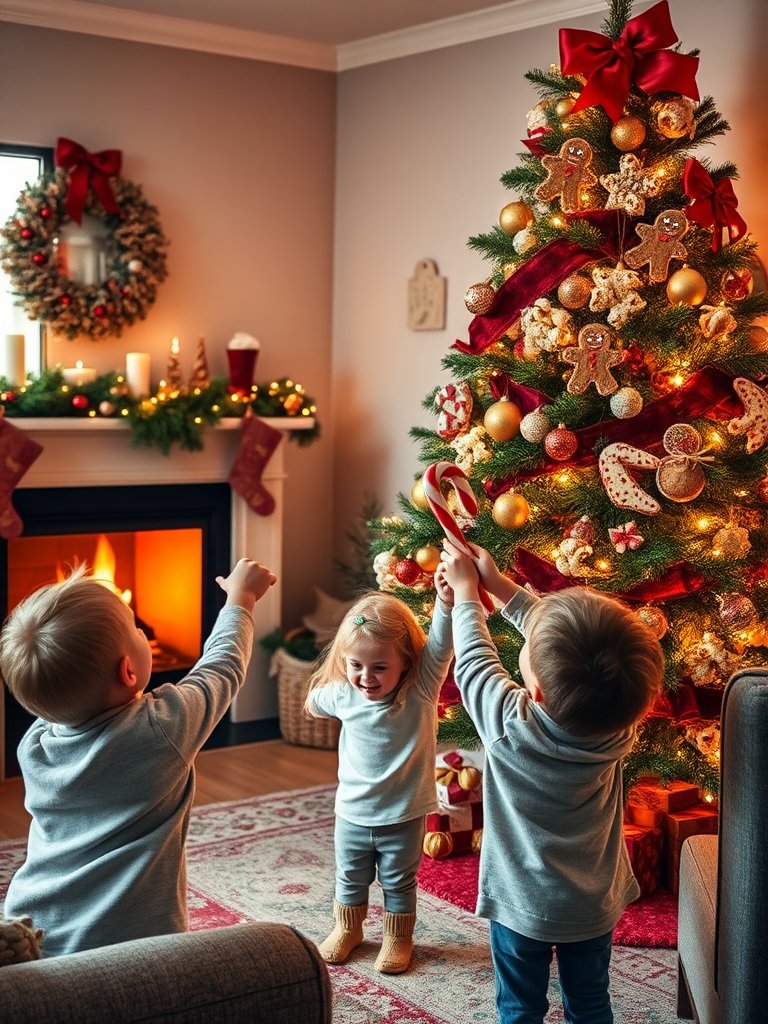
{"type": "Point", "coordinates": [522, 966]}
{"type": "Point", "coordinates": [391, 851]}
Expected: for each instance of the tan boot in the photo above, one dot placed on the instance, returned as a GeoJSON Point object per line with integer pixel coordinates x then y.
{"type": "Point", "coordinates": [346, 936]}
{"type": "Point", "coordinates": [396, 949]}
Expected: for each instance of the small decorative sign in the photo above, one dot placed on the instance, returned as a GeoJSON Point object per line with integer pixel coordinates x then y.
{"type": "Point", "coordinates": [426, 298]}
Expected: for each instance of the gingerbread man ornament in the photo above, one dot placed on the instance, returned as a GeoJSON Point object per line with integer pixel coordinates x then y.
{"type": "Point", "coordinates": [567, 174]}
{"type": "Point", "coordinates": [660, 244]}
{"type": "Point", "coordinates": [592, 359]}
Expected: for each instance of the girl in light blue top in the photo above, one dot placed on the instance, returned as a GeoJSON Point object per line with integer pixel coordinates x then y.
{"type": "Point", "coordinates": [381, 678]}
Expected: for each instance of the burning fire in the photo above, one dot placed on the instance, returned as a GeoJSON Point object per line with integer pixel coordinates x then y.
{"type": "Point", "coordinates": [103, 569]}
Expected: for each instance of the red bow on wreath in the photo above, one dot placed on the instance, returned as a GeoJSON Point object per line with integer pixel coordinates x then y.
{"type": "Point", "coordinates": [94, 169]}
{"type": "Point", "coordinates": [714, 203]}
{"type": "Point", "coordinates": [639, 55]}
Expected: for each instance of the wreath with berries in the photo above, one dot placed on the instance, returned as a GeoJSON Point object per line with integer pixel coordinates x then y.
{"type": "Point", "coordinates": [135, 259]}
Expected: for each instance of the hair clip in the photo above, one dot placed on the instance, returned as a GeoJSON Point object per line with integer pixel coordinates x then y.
{"type": "Point", "coordinates": [359, 620]}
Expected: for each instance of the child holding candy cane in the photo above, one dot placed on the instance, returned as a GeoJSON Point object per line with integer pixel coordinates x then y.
{"type": "Point", "coordinates": [554, 870]}
{"type": "Point", "coordinates": [381, 678]}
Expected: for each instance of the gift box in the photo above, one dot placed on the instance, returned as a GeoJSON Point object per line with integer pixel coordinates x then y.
{"type": "Point", "coordinates": [457, 778]}
{"type": "Point", "coordinates": [463, 823]}
{"type": "Point", "coordinates": [644, 846]}
{"type": "Point", "coordinates": [652, 795]}
{"type": "Point", "coordinates": [680, 825]}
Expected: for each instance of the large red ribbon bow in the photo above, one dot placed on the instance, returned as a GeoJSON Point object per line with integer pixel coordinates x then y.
{"type": "Point", "coordinates": [639, 55]}
{"type": "Point", "coordinates": [94, 169]}
{"type": "Point", "coordinates": [714, 203]}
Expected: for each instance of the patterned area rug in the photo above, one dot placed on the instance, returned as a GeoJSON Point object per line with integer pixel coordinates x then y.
{"type": "Point", "coordinates": [271, 858]}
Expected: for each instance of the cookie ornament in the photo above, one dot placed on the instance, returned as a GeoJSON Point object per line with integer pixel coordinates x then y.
{"type": "Point", "coordinates": [660, 244]}
{"type": "Point", "coordinates": [754, 422]}
{"type": "Point", "coordinates": [568, 175]}
{"type": "Point", "coordinates": [455, 404]}
{"type": "Point", "coordinates": [616, 290]}
{"type": "Point", "coordinates": [629, 186]}
{"type": "Point", "coordinates": [614, 464]}
{"type": "Point", "coordinates": [592, 360]}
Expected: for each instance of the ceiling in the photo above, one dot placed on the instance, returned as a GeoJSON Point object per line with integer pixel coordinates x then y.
{"type": "Point", "coordinates": [331, 35]}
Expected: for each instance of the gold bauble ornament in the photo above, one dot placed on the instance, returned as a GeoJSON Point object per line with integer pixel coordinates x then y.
{"type": "Point", "coordinates": [438, 844]}
{"type": "Point", "coordinates": [107, 408]}
{"type": "Point", "coordinates": [757, 338]}
{"type": "Point", "coordinates": [478, 298]}
{"type": "Point", "coordinates": [731, 542]}
{"type": "Point", "coordinates": [418, 497]}
{"type": "Point", "coordinates": [502, 420]}
{"type": "Point", "coordinates": [427, 558]}
{"type": "Point", "coordinates": [469, 778]}
{"type": "Point", "coordinates": [575, 291]}
{"type": "Point", "coordinates": [628, 133]}
{"type": "Point", "coordinates": [686, 286]}
{"type": "Point", "coordinates": [564, 106]}
{"type": "Point", "coordinates": [515, 216]}
{"type": "Point", "coordinates": [655, 619]}
{"type": "Point", "coordinates": [511, 510]}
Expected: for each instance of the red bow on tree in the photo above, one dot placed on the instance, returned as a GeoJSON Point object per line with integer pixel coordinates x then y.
{"type": "Point", "coordinates": [94, 169]}
{"type": "Point", "coordinates": [639, 55]}
{"type": "Point", "coordinates": [714, 203]}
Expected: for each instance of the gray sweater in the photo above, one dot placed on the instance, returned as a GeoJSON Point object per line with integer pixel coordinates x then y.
{"type": "Point", "coordinates": [110, 803]}
{"type": "Point", "coordinates": [553, 863]}
{"type": "Point", "coordinates": [387, 747]}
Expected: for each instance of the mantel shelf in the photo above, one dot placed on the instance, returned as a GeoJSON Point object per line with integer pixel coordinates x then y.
{"type": "Point", "coordinates": [97, 424]}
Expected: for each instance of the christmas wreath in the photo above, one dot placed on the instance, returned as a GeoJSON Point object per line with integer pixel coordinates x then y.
{"type": "Point", "coordinates": [135, 260]}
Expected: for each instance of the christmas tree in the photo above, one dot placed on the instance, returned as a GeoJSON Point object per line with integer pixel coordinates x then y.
{"type": "Point", "coordinates": [606, 406]}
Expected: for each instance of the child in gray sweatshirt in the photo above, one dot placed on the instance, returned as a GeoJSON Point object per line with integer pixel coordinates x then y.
{"type": "Point", "coordinates": [554, 870]}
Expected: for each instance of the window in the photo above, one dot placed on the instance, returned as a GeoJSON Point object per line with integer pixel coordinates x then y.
{"type": "Point", "coordinates": [20, 166]}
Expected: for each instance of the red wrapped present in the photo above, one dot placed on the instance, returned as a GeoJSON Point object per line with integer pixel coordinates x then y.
{"type": "Point", "coordinates": [457, 779]}
{"type": "Point", "coordinates": [675, 796]}
{"type": "Point", "coordinates": [693, 821]}
{"type": "Point", "coordinates": [462, 823]}
{"type": "Point", "coordinates": [645, 817]}
{"type": "Point", "coordinates": [644, 846]}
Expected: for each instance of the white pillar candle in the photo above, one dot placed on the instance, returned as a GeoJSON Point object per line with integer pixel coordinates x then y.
{"type": "Point", "coordinates": [12, 359]}
{"type": "Point", "coordinates": [78, 374]}
{"type": "Point", "coordinates": [137, 373]}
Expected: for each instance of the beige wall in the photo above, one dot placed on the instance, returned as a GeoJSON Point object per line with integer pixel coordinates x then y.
{"type": "Point", "coordinates": [238, 156]}
{"type": "Point", "coordinates": [422, 144]}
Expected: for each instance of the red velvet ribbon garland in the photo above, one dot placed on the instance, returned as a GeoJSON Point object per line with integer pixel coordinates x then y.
{"type": "Point", "coordinates": [714, 203]}
{"type": "Point", "coordinates": [544, 271]}
{"type": "Point", "coordinates": [94, 169]}
{"type": "Point", "coordinates": [638, 56]}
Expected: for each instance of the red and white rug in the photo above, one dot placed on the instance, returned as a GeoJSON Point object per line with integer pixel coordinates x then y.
{"type": "Point", "coordinates": [271, 858]}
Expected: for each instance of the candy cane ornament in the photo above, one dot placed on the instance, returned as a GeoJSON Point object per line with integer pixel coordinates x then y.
{"type": "Point", "coordinates": [433, 477]}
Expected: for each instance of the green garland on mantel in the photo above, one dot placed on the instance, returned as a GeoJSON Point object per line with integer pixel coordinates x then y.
{"type": "Point", "coordinates": [170, 416]}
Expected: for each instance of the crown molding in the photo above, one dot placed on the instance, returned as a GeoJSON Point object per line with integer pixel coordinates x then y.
{"type": "Point", "coordinates": [160, 30]}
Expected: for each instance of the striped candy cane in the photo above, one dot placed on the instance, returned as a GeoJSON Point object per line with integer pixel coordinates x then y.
{"type": "Point", "coordinates": [431, 480]}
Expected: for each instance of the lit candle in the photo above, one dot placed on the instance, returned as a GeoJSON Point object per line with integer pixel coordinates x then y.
{"type": "Point", "coordinates": [78, 374]}
{"type": "Point", "coordinates": [174, 370]}
{"type": "Point", "coordinates": [137, 373]}
{"type": "Point", "coordinates": [12, 359]}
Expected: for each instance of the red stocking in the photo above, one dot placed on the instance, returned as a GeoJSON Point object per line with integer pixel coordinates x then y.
{"type": "Point", "coordinates": [17, 453]}
{"type": "Point", "coordinates": [257, 442]}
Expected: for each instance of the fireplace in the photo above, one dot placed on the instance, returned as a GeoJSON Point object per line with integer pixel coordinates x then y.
{"type": "Point", "coordinates": [166, 526]}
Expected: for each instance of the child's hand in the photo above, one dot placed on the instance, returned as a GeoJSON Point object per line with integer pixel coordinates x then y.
{"type": "Point", "coordinates": [459, 572]}
{"type": "Point", "coordinates": [247, 583]}
{"type": "Point", "coordinates": [443, 588]}
{"type": "Point", "coordinates": [494, 581]}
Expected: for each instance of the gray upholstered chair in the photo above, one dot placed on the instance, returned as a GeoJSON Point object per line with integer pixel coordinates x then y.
{"type": "Point", "coordinates": [244, 974]}
{"type": "Point", "coordinates": [723, 901]}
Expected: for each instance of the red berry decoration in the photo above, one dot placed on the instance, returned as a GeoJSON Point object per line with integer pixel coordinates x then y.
{"type": "Point", "coordinates": [99, 311]}
{"type": "Point", "coordinates": [80, 402]}
{"type": "Point", "coordinates": [65, 300]}
{"type": "Point", "coordinates": [27, 233]}
{"type": "Point", "coordinates": [39, 258]}
{"type": "Point", "coordinates": [44, 212]}
{"type": "Point", "coordinates": [407, 571]}
{"type": "Point", "coordinates": [560, 443]}
{"type": "Point", "coordinates": [7, 397]}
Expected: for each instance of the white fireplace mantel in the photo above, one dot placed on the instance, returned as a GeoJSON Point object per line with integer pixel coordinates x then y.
{"type": "Point", "coordinates": [98, 452]}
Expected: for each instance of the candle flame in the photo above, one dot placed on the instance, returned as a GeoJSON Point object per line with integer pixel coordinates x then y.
{"type": "Point", "coordinates": [175, 346]}
{"type": "Point", "coordinates": [79, 364]}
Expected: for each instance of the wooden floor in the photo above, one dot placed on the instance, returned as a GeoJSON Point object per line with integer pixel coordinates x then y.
{"type": "Point", "coordinates": [228, 773]}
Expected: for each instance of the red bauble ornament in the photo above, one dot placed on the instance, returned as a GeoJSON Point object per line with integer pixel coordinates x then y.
{"type": "Point", "coordinates": [65, 300]}
{"type": "Point", "coordinates": [27, 233]}
{"type": "Point", "coordinates": [125, 291]}
{"type": "Point", "coordinates": [80, 402]}
{"type": "Point", "coordinates": [44, 212]}
{"type": "Point", "coordinates": [560, 443]}
{"type": "Point", "coordinates": [39, 258]}
{"type": "Point", "coordinates": [407, 571]}
{"type": "Point", "coordinates": [7, 397]}
{"type": "Point", "coordinates": [737, 284]}
{"type": "Point", "coordinates": [99, 311]}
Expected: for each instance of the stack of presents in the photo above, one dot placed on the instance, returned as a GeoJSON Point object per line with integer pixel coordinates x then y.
{"type": "Point", "coordinates": [658, 818]}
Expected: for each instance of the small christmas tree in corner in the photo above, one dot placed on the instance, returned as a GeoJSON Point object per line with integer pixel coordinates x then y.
{"type": "Point", "coordinates": [606, 407]}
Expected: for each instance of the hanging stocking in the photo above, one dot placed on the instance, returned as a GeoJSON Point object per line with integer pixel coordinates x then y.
{"type": "Point", "coordinates": [257, 443]}
{"type": "Point", "coordinates": [17, 453]}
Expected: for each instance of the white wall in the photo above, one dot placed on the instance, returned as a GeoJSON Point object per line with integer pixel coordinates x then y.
{"type": "Point", "coordinates": [422, 144]}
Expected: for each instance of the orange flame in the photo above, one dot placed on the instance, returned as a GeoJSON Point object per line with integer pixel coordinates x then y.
{"type": "Point", "coordinates": [104, 563]}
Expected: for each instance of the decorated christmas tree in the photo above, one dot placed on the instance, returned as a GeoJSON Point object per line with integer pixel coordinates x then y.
{"type": "Point", "coordinates": [607, 408]}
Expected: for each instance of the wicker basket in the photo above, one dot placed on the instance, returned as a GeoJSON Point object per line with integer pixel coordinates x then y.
{"type": "Point", "coordinates": [295, 726]}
